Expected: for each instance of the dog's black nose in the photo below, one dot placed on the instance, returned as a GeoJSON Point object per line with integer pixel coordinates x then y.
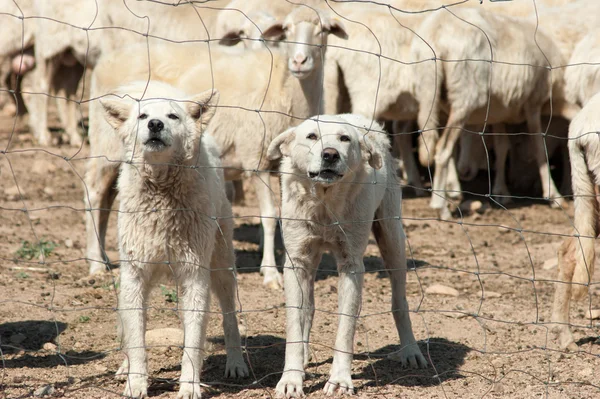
{"type": "Point", "coordinates": [330, 155]}
{"type": "Point", "coordinates": [155, 125]}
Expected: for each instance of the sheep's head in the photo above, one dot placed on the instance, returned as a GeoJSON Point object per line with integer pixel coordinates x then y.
{"type": "Point", "coordinates": [305, 32]}
{"type": "Point", "coordinates": [160, 129]}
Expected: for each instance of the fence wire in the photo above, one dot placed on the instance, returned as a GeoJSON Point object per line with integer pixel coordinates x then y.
{"type": "Point", "coordinates": [481, 253]}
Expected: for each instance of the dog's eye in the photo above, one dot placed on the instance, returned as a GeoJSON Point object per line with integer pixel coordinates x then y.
{"type": "Point", "coordinates": [173, 116]}
{"type": "Point", "coordinates": [345, 138]}
{"type": "Point", "coordinates": [311, 136]}
{"type": "Point", "coordinates": [142, 116]}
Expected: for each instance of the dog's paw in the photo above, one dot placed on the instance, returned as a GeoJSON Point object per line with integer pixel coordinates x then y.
{"type": "Point", "coordinates": [236, 367]}
{"type": "Point", "coordinates": [339, 383]}
{"type": "Point", "coordinates": [189, 390]}
{"type": "Point", "coordinates": [273, 279]}
{"type": "Point", "coordinates": [136, 387]}
{"type": "Point", "coordinates": [290, 385]}
{"type": "Point", "coordinates": [411, 356]}
{"type": "Point", "coordinates": [121, 374]}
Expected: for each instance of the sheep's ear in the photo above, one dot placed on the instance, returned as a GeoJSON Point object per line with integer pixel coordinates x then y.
{"type": "Point", "coordinates": [280, 146]}
{"type": "Point", "coordinates": [275, 31]}
{"type": "Point", "coordinates": [335, 27]}
{"type": "Point", "coordinates": [373, 147]}
{"type": "Point", "coordinates": [116, 111]}
{"type": "Point", "coordinates": [202, 107]}
{"type": "Point", "coordinates": [231, 38]}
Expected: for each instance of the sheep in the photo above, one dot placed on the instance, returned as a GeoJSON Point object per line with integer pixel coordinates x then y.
{"type": "Point", "coordinates": [63, 48]}
{"type": "Point", "coordinates": [576, 256]}
{"type": "Point", "coordinates": [474, 91]}
{"type": "Point", "coordinates": [16, 44]}
{"type": "Point", "coordinates": [286, 87]}
{"type": "Point", "coordinates": [582, 76]}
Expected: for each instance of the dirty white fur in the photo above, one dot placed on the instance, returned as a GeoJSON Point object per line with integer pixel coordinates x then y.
{"type": "Point", "coordinates": [576, 257]}
{"type": "Point", "coordinates": [257, 80]}
{"type": "Point", "coordinates": [582, 76]}
{"type": "Point", "coordinates": [331, 206]}
{"type": "Point", "coordinates": [519, 86]}
{"type": "Point", "coordinates": [174, 221]}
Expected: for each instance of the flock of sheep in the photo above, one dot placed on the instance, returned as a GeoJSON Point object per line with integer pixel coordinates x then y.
{"type": "Point", "coordinates": [443, 71]}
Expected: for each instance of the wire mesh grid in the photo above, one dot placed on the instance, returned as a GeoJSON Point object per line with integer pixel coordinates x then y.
{"type": "Point", "coordinates": [473, 89]}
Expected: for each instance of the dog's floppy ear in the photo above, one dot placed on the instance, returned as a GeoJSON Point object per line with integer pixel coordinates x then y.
{"type": "Point", "coordinates": [373, 146]}
{"type": "Point", "coordinates": [280, 146]}
{"type": "Point", "coordinates": [116, 111]}
{"type": "Point", "coordinates": [202, 107]}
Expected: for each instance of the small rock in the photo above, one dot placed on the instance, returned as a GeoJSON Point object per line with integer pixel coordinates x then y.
{"type": "Point", "coordinates": [69, 243]}
{"type": "Point", "coordinates": [44, 391]}
{"type": "Point", "coordinates": [17, 338]}
{"type": "Point", "coordinates": [550, 264]}
{"type": "Point", "coordinates": [49, 346]}
{"type": "Point", "coordinates": [475, 206]}
{"type": "Point", "coordinates": [504, 229]}
{"type": "Point", "coordinates": [48, 191]}
{"type": "Point", "coordinates": [77, 345]}
{"type": "Point", "coordinates": [13, 194]}
{"type": "Point", "coordinates": [439, 289]}
{"type": "Point", "coordinates": [492, 294]}
{"type": "Point", "coordinates": [164, 337]}
{"type": "Point", "coordinates": [594, 314]}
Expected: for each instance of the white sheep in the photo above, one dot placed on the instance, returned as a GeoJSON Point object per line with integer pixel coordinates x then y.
{"type": "Point", "coordinates": [262, 94]}
{"type": "Point", "coordinates": [582, 76]}
{"type": "Point", "coordinates": [576, 256]}
{"type": "Point", "coordinates": [463, 82]}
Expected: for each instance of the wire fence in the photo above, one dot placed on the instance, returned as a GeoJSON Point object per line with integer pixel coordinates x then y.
{"type": "Point", "coordinates": [477, 99]}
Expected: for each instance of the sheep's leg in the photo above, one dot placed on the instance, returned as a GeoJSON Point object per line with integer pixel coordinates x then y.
{"type": "Point", "coordinates": [225, 288]}
{"type": "Point", "coordinates": [268, 219]}
{"type": "Point", "coordinates": [39, 101]}
{"type": "Point", "coordinates": [443, 156]}
{"type": "Point", "coordinates": [99, 195]}
{"type": "Point", "coordinates": [67, 80]}
{"type": "Point", "coordinates": [403, 143]}
{"type": "Point", "coordinates": [132, 317]}
{"type": "Point", "coordinates": [562, 294]}
{"type": "Point", "coordinates": [501, 148]}
{"type": "Point", "coordinates": [195, 302]}
{"type": "Point", "coordinates": [550, 191]}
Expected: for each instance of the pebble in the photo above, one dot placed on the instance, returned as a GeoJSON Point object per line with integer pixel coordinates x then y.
{"type": "Point", "coordinates": [492, 294]}
{"type": "Point", "coordinates": [44, 391]}
{"type": "Point", "coordinates": [69, 243]}
{"type": "Point", "coordinates": [439, 289]}
{"type": "Point", "coordinates": [48, 191]}
{"type": "Point", "coordinates": [49, 346]}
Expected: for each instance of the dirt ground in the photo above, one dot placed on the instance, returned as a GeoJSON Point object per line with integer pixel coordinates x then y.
{"type": "Point", "coordinates": [58, 327]}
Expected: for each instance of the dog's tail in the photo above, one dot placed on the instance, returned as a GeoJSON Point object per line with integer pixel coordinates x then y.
{"type": "Point", "coordinates": [586, 219]}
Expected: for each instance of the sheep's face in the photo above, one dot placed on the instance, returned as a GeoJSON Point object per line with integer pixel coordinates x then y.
{"type": "Point", "coordinates": [326, 150]}
{"type": "Point", "coordinates": [160, 130]}
{"type": "Point", "coordinates": [305, 32]}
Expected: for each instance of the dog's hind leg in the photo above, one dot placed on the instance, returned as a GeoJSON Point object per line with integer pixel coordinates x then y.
{"type": "Point", "coordinates": [132, 316]}
{"type": "Point", "coordinates": [390, 237]}
{"type": "Point", "coordinates": [99, 195]}
{"type": "Point", "coordinates": [562, 294]}
{"type": "Point", "coordinates": [225, 288]}
{"type": "Point", "coordinates": [268, 219]}
{"type": "Point", "coordinates": [194, 281]}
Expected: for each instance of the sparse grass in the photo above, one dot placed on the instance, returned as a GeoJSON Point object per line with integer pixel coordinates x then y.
{"type": "Point", "coordinates": [84, 319]}
{"type": "Point", "coordinates": [22, 275]}
{"type": "Point", "coordinates": [170, 295]}
{"type": "Point", "coordinates": [31, 250]}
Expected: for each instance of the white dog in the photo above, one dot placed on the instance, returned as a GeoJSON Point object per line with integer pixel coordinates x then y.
{"type": "Point", "coordinates": [174, 220]}
{"type": "Point", "coordinates": [338, 184]}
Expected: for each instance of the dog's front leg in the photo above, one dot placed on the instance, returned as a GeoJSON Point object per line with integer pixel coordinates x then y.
{"type": "Point", "coordinates": [195, 305]}
{"type": "Point", "coordinates": [349, 301]}
{"type": "Point", "coordinates": [298, 284]}
{"type": "Point", "coordinates": [132, 315]}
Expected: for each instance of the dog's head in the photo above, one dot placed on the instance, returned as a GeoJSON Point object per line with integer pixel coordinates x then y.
{"type": "Point", "coordinates": [163, 127]}
{"type": "Point", "coordinates": [330, 148]}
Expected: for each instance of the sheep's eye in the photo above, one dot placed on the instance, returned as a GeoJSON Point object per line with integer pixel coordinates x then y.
{"type": "Point", "coordinates": [173, 116]}
{"type": "Point", "coordinates": [311, 136]}
{"type": "Point", "coordinates": [345, 138]}
{"type": "Point", "coordinates": [142, 116]}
